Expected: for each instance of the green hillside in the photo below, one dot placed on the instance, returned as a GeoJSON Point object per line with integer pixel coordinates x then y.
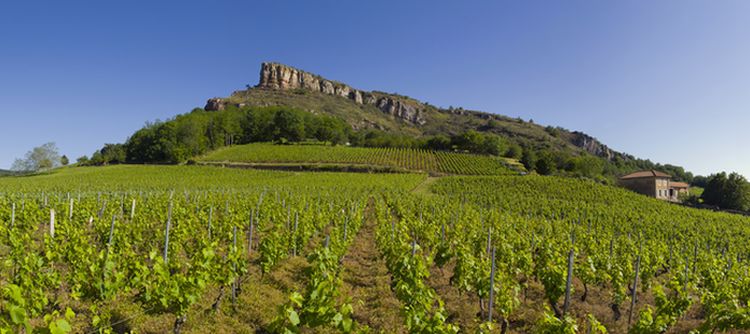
{"type": "Point", "coordinates": [436, 120]}
{"type": "Point", "coordinates": [395, 158]}
{"type": "Point", "coordinates": [144, 178]}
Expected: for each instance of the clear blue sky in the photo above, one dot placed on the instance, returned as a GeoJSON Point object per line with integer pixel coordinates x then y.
{"type": "Point", "coordinates": [663, 80]}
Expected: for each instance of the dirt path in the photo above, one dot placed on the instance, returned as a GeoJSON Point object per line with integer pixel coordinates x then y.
{"type": "Point", "coordinates": [368, 283]}
{"type": "Point", "coordinates": [462, 308]}
{"type": "Point", "coordinates": [423, 188]}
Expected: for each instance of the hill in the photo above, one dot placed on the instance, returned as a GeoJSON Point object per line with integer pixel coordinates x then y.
{"type": "Point", "coordinates": [284, 85]}
{"type": "Point", "coordinates": [295, 106]}
{"type": "Point", "coordinates": [4, 172]}
{"type": "Point", "coordinates": [357, 158]}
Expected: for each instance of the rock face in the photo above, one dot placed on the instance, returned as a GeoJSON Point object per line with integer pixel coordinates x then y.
{"type": "Point", "coordinates": [215, 104]}
{"type": "Point", "coordinates": [283, 77]}
{"type": "Point", "coordinates": [592, 145]}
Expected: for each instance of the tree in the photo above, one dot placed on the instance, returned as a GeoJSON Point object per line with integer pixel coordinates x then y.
{"type": "Point", "coordinates": [289, 125]}
{"type": "Point", "coordinates": [493, 145]}
{"type": "Point", "coordinates": [727, 192]}
{"type": "Point", "coordinates": [64, 160]}
{"type": "Point", "coordinates": [546, 165]}
{"type": "Point", "coordinates": [528, 159]}
{"type": "Point", "coordinates": [552, 131]}
{"type": "Point", "coordinates": [470, 141]}
{"type": "Point", "coordinates": [586, 166]}
{"type": "Point", "coordinates": [38, 159]}
{"type": "Point", "coordinates": [439, 143]}
{"type": "Point", "coordinates": [714, 189]}
{"type": "Point", "coordinates": [113, 153]}
{"type": "Point", "coordinates": [327, 129]}
{"type": "Point", "coordinates": [514, 151]}
{"type": "Point", "coordinates": [700, 181]}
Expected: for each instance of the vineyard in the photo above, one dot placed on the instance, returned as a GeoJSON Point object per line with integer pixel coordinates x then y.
{"type": "Point", "coordinates": [399, 158]}
{"type": "Point", "coordinates": [193, 249]}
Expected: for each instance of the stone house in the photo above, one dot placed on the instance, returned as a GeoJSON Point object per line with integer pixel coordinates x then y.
{"type": "Point", "coordinates": [654, 184]}
{"type": "Point", "coordinates": [679, 188]}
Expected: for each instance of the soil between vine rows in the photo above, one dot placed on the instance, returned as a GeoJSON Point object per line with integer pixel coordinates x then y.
{"type": "Point", "coordinates": [367, 282]}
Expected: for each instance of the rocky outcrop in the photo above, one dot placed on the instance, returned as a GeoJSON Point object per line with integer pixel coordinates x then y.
{"type": "Point", "coordinates": [215, 104]}
{"type": "Point", "coordinates": [218, 104]}
{"type": "Point", "coordinates": [592, 145]}
{"type": "Point", "coordinates": [283, 77]}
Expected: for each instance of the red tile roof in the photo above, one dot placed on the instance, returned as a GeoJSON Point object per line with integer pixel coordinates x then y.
{"type": "Point", "coordinates": [678, 185]}
{"type": "Point", "coordinates": [645, 173]}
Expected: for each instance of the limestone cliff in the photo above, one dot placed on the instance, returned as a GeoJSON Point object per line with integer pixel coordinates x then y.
{"type": "Point", "coordinates": [283, 77]}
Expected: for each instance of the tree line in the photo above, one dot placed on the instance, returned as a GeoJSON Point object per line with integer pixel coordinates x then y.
{"type": "Point", "coordinates": [195, 133]}
{"type": "Point", "coordinates": [549, 161]}
{"type": "Point", "coordinates": [727, 191]}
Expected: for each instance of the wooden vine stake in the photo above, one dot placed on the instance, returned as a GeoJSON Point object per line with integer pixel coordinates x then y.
{"type": "Point", "coordinates": [234, 266]}
{"type": "Point", "coordinates": [687, 273]}
{"type": "Point", "coordinates": [346, 220]}
{"type": "Point", "coordinates": [70, 208]}
{"type": "Point", "coordinates": [294, 234]}
{"type": "Point", "coordinates": [132, 210]}
{"type": "Point", "coordinates": [52, 223]}
{"type": "Point", "coordinates": [13, 215]}
{"type": "Point", "coordinates": [492, 287]}
{"type": "Point", "coordinates": [250, 232]}
{"type": "Point", "coordinates": [106, 253]}
{"type": "Point", "coordinates": [166, 237]}
{"type": "Point", "coordinates": [489, 239]}
{"type": "Point", "coordinates": [635, 289]}
{"type": "Point", "coordinates": [568, 282]}
{"type": "Point", "coordinates": [101, 211]}
{"type": "Point", "coordinates": [210, 215]}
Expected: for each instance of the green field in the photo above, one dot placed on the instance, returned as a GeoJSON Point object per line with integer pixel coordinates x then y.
{"type": "Point", "coordinates": [205, 249]}
{"type": "Point", "coordinates": [126, 178]}
{"type": "Point", "coordinates": [397, 158]}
